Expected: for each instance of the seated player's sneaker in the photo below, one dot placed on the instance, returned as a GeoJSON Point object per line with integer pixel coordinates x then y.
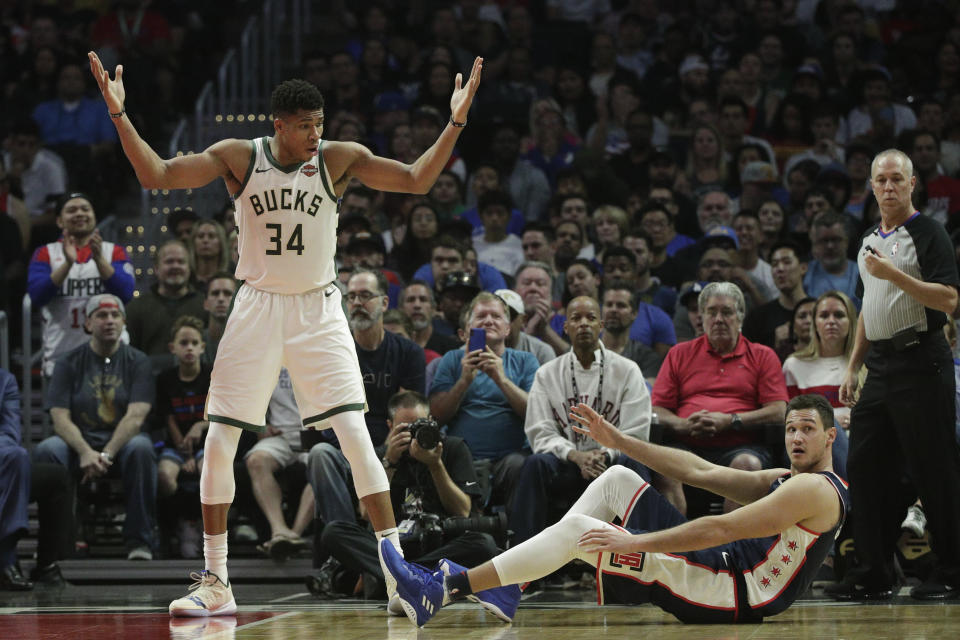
{"type": "Point", "coordinates": [420, 591]}
{"type": "Point", "coordinates": [500, 601]}
{"type": "Point", "coordinates": [210, 597]}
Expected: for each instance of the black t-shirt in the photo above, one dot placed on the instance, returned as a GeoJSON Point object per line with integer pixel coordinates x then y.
{"type": "Point", "coordinates": [761, 324]}
{"type": "Point", "coordinates": [396, 363]}
{"type": "Point", "coordinates": [441, 343]}
{"type": "Point", "coordinates": [97, 390]}
{"type": "Point", "coordinates": [183, 400]}
{"type": "Point", "coordinates": [412, 489]}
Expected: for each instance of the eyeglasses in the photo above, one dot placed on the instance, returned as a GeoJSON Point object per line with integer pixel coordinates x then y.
{"type": "Point", "coordinates": [363, 297]}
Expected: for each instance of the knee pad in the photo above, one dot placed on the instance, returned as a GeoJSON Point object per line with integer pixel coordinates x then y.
{"type": "Point", "coordinates": [368, 474]}
{"type": "Point", "coordinates": [216, 479]}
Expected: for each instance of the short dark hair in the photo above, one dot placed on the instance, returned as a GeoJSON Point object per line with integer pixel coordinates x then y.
{"type": "Point", "coordinates": [493, 198]}
{"type": "Point", "coordinates": [448, 242]}
{"type": "Point", "coordinates": [830, 218]}
{"type": "Point", "coordinates": [223, 275]}
{"type": "Point", "coordinates": [546, 229]}
{"type": "Point", "coordinates": [734, 101]}
{"type": "Point", "coordinates": [812, 401]}
{"type": "Point", "coordinates": [192, 322]}
{"type": "Point", "coordinates": [614, 252]}
{"type": "Point", "coordinates": [383, 285]}
{"type": "Point", "coordinates": [637, 232]}
{"type": "Point", "coordinates": [291, 96]}
{"type": "Point", "coordinates": [589, 265]}
{"type": "Point", "coordinates": [406, 400]}
{"type": "Point", "coordinates": [621, 285]}
{"type": "Point", "coordinates": [788, 244]}
{"type": "Point", "coordinates": [418, 283]}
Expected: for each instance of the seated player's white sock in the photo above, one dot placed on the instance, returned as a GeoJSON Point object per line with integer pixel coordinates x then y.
{"type": "Point", "coordinates": [215, 555]}
{"type": "Point", "coordinates": [547, 551]}
{"type": "Point", "coordinates": [393, 535]}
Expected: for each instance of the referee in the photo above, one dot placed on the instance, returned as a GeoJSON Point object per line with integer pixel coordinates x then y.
{"type": "Point", "coordinates": [903, 422]}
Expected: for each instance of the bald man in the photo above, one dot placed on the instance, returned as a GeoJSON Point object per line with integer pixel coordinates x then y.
{"type": "Point", "coordinates": [564, 463]}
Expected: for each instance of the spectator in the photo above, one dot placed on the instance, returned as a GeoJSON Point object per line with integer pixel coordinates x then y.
{"type": "Point", "coordinates": [769, 324]}
{"type": "Point", "coordinates": [64, 275]}
{"type": "Point", "coordinates": [570, 239]}
{"type": "Point", "coordinates": [458, 289]}
{"type": "Point", "coordinates": [417, 302]}
{"type": "Point", "coordinates": [619, 311]}
{"type": "Point", "coordinates": [181, 401]}
{"type": "Point", "coordinates": [152, 314]}
{"type": "Point", "coordinates": [539, 244]}
{"type": "Point", "coordinates": [15, 496]}
{"type": "Point", "coordinates": [41, 174]}
{"type": "Point", "coordinates": [819, 367]}
{"type": "Point", "coordinates": [657, 223]}
{"type": "Point", "coordinates": [715, 393]}
{"type": "Point", "coordinates": [801, 329]}
{"type": "Point", "coordinates": [13, 208]}
{"type": "Point", "coordinates": [582, 279]}
{"type": "Point", "coordinates": [649, 287]}
{"type": "Point", "coordinates": [182, 223]}
{"type": "Point", "coordinates": [632, 165]}
{"type": "Point", "coordinates": [440, 481]}
{"type": "Point", "coordinates": [830, 270]}
{"type": "Point", "coordinates": [73, 120]}
{"type": "Point", "coordinates": [746, 224]}
{"type": "Point", "coordinates": [220, 291]}
{"type": "Point", "coordinates": [278, 447]}
{"type": "Point", "coordinates": [534, 285]}
{"type": "Point", "coordinates": [448, 196]}
{"type": "Point", "coordinates": [497, 247]}
{"type": "Point", "coordinates": [552, 148]}
{"type": "Point", "coordinates": [98, 398]}
{"type": "Point", "coordinates": [574, 207]}
{"type": "Point", "coordinates": [518, 340]}
{"type": "Point", "coordinates": [482, 395]}
{"type": "Point", "coordinates": [689, 310]}
{"type": "Point", "coordinates": [527, 185]}
{"type": "Point", "coordinates": [563, 463]}
{"type": "Point", "coordinates": [609, 224]}
{"type": "Point", "coordinates": [367, 251]}
{"type": "Point", "coordinates": [652, 326]}
{"type": "Point", "coordinates": [773, 221]}
{"type": "Point", "coordinates": [418, 239]}
{"type": "Point", "coordinates": [448, 255]}
{"type": "Point", "coordinates": [706, 164]}
{"type": "Point", "coordinates": [486, 177]}
{"type": "Point", "coordinates": [877, 119]}
{"type": "Point", "coordinates": [209, 250]}
{"type": "Point", "coordinates": [733, 125]}
{"type": "Point", "coordinates": [943, 191]}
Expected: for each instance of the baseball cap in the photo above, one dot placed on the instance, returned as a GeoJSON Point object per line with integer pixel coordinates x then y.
{"type": "Point", "coordinates": [809, 69]}
{"type": "Point", "coordinates": [758, 171]}
{"type": "Point", "coordinates": [366, 240]}
{"type": "Point", "coordinates": [512, 299]}
{"type": "Point", "coordinates": [459, 279]}
{"type": "Point", "coordinates": [104, 301]}
{"type": "Point", "coordinates": [718, 236]}
{"type": "Point", "coordinates": [691, 290]}
{"type": "Point", "coordinates": [693, 63]}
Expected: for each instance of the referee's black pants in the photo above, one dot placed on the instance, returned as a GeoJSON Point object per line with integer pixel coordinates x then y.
{"type": "Point", "coordinates": [903, 427]}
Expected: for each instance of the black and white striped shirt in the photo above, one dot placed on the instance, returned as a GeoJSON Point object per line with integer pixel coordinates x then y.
{"type": "Point", "coordinates": [921, 248]}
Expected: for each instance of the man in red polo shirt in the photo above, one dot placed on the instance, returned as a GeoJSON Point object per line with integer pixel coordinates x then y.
{"type": "Point", "coordinates": [715, 394]}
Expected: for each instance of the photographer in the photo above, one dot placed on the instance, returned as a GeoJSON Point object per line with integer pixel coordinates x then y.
{"type": "Point", "coordinates": [427, 487]}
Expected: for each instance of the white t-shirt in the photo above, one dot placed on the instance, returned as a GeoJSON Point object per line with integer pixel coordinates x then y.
{"type": "Point", "coordinates": [822, 376]}
{"type": "Point", "coordinates": [505, 255]}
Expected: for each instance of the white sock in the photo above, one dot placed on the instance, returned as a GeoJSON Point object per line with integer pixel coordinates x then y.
{"type": "Point", "coordinates": [393, 535]}
{"type": "Point", "coordinates": [215, 555]}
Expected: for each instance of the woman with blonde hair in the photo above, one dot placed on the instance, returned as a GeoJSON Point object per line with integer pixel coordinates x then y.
{"type": "Point", "coordinates": [209, 250]}
{"type": "Point", "coordinates": [610, 223]}
{"type": "Point", "coordinates": [820, 366]}
{"type": "Point", "coordinates": [705, 164]}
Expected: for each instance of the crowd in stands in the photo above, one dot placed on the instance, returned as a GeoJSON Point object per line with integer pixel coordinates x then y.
{"type": "Point", "coordinates": [653, 210]}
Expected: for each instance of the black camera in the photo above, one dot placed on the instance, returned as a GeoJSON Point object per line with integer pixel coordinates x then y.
{"type": "Point", "coordinates": [495, 525]}
{"type": "Point", "coordinates": [426, 431]}
{"type": "Point", "coordinates": [425, 532]}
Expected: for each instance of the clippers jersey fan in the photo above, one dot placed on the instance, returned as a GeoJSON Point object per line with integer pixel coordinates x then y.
{"type": "Point", "coordinates": [287, 220]}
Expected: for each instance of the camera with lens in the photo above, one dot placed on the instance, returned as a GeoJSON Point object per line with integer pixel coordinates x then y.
{"type": "Point", "coordinates": [429, 531]}
{"type": "Point", "coordinates": [422, 530]}
{"type": "Point", "coordinates": [495, 525]}
{"type": "Point", "coordinates": [426, 431]}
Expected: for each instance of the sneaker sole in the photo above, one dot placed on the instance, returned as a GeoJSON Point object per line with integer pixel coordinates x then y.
{"type": "Point", "coordinates": [492, 609]}
{"type": "Point", "coordinates": [228, 609]}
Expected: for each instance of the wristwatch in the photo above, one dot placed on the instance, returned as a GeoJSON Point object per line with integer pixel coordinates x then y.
{"type": "Point", "coordinates": [735, 422]}
{"type": "Point", "coordinates": [106, 456]}
{"type": "Point", "coordinates": [387, 464]}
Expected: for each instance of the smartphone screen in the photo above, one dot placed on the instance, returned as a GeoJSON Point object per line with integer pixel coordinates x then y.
{"type": "Point", "coordinates": [478, 340]}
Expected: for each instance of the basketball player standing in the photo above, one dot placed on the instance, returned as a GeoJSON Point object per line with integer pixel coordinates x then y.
{"type": "Point", "coordinates": [288, 311]}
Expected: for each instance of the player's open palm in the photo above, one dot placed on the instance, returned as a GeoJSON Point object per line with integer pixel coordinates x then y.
{"type": "Point", "coordinates": [463, 94]}
{"type": "Point", "coordinates": [590, 423]}
{"type": "Point", "coordinates": [112, 90]}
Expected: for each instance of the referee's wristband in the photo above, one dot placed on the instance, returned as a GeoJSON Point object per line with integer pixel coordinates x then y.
{"type": "Point", "coordinates": [457, 124]}
{"type": "Point", "coordinates": [119, 115]}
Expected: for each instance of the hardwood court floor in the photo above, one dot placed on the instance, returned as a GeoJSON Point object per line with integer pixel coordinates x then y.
{"type": "Point", "coordinates": [286, 612]}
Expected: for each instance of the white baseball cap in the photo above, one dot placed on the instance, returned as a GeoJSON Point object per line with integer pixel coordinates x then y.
{"type": "Point", "coordinates": [512, 299]}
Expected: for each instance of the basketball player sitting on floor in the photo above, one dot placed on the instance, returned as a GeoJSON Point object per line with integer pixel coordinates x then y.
{"type": "Point", "coordinates": [737, 567]}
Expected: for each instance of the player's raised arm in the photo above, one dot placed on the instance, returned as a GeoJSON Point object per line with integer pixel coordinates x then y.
{"type": "Point", "coordinates": [389, 175]}
{"type": "Point", "coordinates": [152, 171]}
{"type": "Point", "coordinates": [740, 486]}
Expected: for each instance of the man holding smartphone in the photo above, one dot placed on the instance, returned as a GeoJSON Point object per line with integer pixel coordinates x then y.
{"type": "Point", "coordinates": [902, 423]}
{"type": "Point", "coordinates": [481, 393]}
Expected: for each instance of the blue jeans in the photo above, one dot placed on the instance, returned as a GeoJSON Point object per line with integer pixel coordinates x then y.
{"type": "Point", "coordinates": [137, 465]}
{"type": "Point", "coordinates": [328, 472]}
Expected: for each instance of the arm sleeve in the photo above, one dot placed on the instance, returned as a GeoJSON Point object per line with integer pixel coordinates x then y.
{"type": "Point", "coordinates": [39, 285]}
{"type": "Point", "coordinates": [121, 283]}
{"type": "Point", "coordinates": [415, 365]}
{"type": "Point", "coordinates": [770, 383]}
{"type": "Point", "coordinates": [448, 371]}
{"type": "Point", "coordinates": [142, 385]}
{"type": "Point", "coordinates": [59, 389]}
{"type": "Point", "coordinates": [539, 425]}
{"type": "Point", "coordinates": [10, 410]}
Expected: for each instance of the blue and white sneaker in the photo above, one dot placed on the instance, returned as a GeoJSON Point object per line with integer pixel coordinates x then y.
{"type": "Point", "coordinates": [499, 601]}
{"type": "Point", "coordinates": [420, 591]}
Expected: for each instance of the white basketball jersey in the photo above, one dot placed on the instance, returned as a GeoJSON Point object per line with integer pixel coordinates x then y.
{"type": "Point", "coordinates": [64, 315]}
{"type": "Point", "coordinates": [287, 220]}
